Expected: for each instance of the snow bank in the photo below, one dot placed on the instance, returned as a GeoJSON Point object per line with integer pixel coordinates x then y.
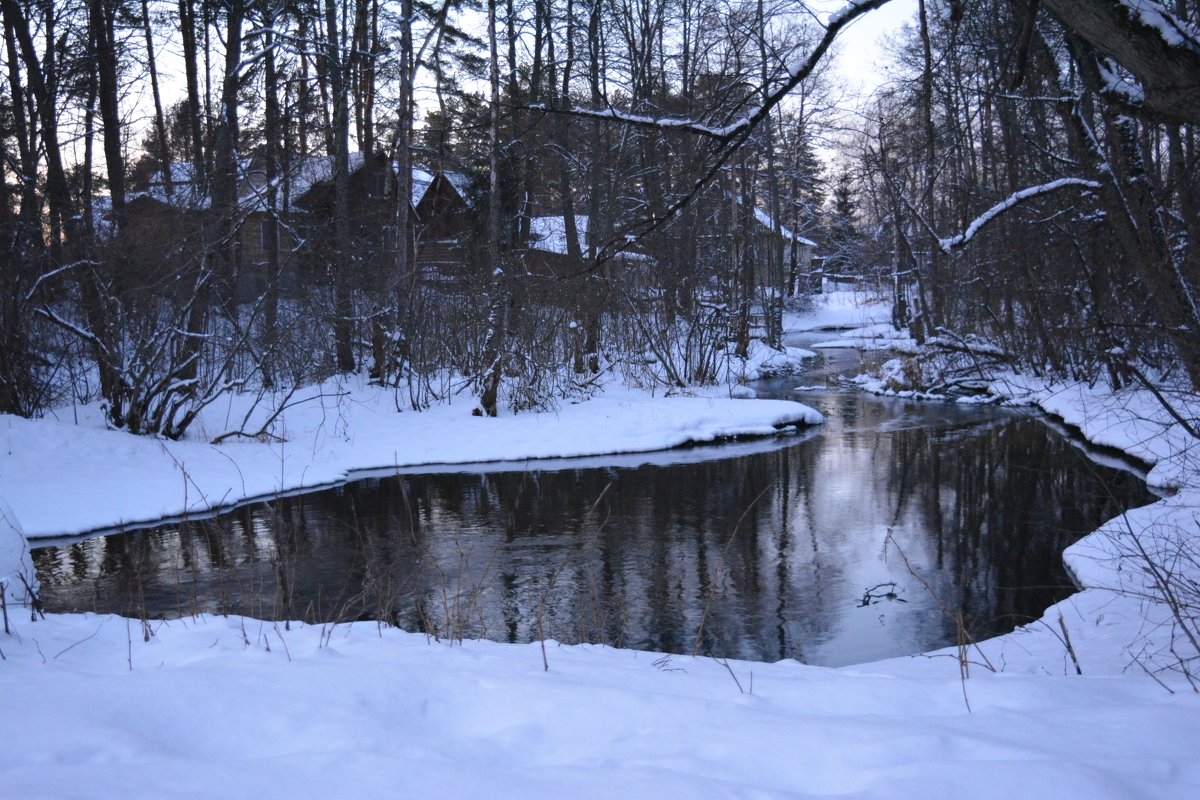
{"type": "Point", "coordinates": [63, 478]}
{"type": "Point", "coordinates": [839, 309]}
{"type": "Point", "coordinates": [1133, 421]}
{"type": "Point", "coordinates": [1139, 574]}
{"type": "Point", "coordinates": [16, 568]}
{"type": "Point", "coordinates": [766, 362]}
{"type": "Point", "coordinates": [233, 707]}
{"type": "Point", "coordinates": [873, 336]}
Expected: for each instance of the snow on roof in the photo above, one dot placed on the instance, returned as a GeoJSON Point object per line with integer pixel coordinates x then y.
{"type": "Point", "coordinates": [421, 181]}
{"type": "Point", "coordinates": [186, 192]}
{"type": "Point", "coordinates": [461, 184]}
{"type": "Point", "coordinates": [549, 234]}
{"type": "Point", "coordinates": [182, 173]}
{"type": "Point", "coordinates": [102, 221]}
{"type": "Point", "coordinates": [308, 172]}
{"type": "Point", "coordinates": [765, 220]}
{"type": "Point", "coordinates": [304, 175]}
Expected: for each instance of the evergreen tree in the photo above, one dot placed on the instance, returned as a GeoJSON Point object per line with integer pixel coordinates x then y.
{"type": "Point", "coordinates": [844, 241]}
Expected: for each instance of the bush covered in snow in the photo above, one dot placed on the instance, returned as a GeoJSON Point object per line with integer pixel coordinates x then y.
{"type": "Point", "coordinates": [17, 579]}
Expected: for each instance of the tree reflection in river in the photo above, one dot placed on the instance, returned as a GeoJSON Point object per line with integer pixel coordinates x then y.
{"type": "Point", "coordinates": [766, 555]}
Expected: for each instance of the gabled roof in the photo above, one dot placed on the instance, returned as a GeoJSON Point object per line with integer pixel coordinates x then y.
{"type": "Point", "coordinates": [308, 172]}
{"type": "Point", "coordinates": [423, 180]}
{"type": "Point", "coordinates": [549, 234]}
{"type": "Point", "coordinates": [186, 194]}
{"type": "Point", "coordinates": [461, 184]}
{"type": "Point", "coordinates": [766, 221]}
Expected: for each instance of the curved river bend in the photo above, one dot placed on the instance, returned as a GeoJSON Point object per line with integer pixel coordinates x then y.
{"type": "Point", "coordinates": [850, 542]}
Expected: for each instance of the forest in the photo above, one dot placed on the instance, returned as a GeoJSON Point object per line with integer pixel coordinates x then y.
{"type": "Point", "coordinates": [200, 197]}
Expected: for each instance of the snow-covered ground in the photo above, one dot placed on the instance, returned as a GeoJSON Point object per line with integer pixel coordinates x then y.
{"type": "Point", "coordinates": [65, 478]}
{"type": "Point", "coordinates": [98, 706]}
{"type": "Point", "coordinates": [838, 310]}
{"type": "Point", "coordinates": [236, 708]}
{"type": "Point", "coordinates": [855, 319]}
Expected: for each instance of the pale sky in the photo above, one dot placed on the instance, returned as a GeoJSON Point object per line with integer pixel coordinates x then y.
{"type": "Point", "coordinates": [861, 53]}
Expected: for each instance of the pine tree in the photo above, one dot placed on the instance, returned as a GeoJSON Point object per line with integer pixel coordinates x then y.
{"type": "Point", "coordinates": [844, 241]}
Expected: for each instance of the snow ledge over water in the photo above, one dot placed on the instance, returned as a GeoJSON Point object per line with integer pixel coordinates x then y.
{"type": "Point", "coordinates": [64, 479]}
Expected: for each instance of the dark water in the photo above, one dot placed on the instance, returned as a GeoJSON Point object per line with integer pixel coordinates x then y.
{"type": "Point", "coordinates": [760, 550]}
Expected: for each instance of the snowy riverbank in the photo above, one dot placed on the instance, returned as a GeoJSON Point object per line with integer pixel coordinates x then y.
{"type": "Point", "coordinates": [236, 708]}
{"type": "Point", "coordinates": [63, 478]}
{"type": "Point", "coordinates": [97, 706]}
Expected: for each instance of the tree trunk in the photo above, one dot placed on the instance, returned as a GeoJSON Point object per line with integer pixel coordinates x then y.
{"type": "Point", "coordinates": [493, 345]}
{"type": "Point", "coordinates": [773, 292]}
{"type": "Point", "coordinates": [271, 132]}
{"type": "Point", "coordinates": [72, 246]}
{"type": "Point", "coordinates": [187, 29]}
{"type": "Point", "coordinates": [28, 235]}
{"type": "Point", "coordinates": [1167, 71]}
{"type": "Point", "coordinates": [101, 18]}
{"type": "Point", "coordinates": [342, 303]}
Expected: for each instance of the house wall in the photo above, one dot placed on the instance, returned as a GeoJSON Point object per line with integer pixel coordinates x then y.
{"type": "Point", "coordinates": [157, 245]}
{"type": "Point", "coordinates": [372, 233]}
{"type": "Point", "coordinates": [253, 262]}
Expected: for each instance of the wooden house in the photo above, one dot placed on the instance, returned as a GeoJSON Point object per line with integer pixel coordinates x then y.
{"type": "Point", "coordinates": [171, 227]}
{"type": "Point", "coordinates": [372, 213]}
{"type": "Point", "coordinates": [170, 222]}
{"type": "Point", "coordinates": [731, 235]}
{"type": "Point", "coordinates": [556, 277]}
{"type": "Point", "coordinates": [446, 222]}
{"type": "Point", "coordinates": [797, 253]}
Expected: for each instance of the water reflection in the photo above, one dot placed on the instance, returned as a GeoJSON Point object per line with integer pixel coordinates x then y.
{"type": "Point", "coordinates": [765, 555]}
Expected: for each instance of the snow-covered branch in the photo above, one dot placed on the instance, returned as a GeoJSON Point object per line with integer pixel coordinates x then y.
{"type": "Point", "coordinates": [736, 130]}
{"type": "Point", "coordinates": [56, 272]}
{"type": "Point", "coordinates": [1008, 203]}
{"type": "Point", "coordinates": [662, 123]}
{"type": "Point", "coordinates": [729, 137]}
{"type": "Point", "coordinates": [1160, 50]}
{"type": "Point", "coordinates": [71, 327]}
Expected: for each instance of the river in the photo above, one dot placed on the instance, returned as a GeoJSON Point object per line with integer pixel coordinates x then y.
{"type": "Point", "coordinates": [868, 537]}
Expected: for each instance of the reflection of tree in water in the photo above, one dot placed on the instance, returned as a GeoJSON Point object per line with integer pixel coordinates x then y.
{"type": "Point", "coordinates": [772, 551]}
{"type": "Point", "coordinates": [994, 507]}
